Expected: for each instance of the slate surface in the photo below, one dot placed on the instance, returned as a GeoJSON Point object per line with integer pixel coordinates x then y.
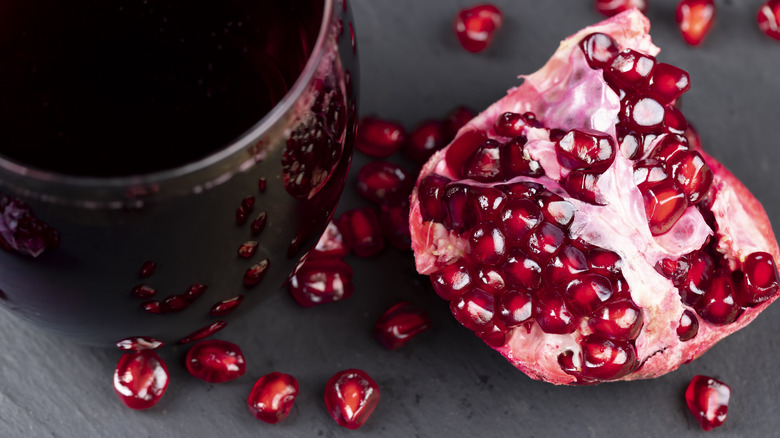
{"type": "Point", "coordinates": [446, 382]}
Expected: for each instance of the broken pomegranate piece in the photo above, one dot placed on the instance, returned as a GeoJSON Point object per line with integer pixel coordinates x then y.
{"type": "Point", "coordinates": [351, 397]}
{"type": "Point", "coordinates": [624, 251]}
{"type": "Point", "coordinates": [708, 401]}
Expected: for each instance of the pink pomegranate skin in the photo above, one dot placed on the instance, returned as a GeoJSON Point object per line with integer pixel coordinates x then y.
{"type": "Point", "coordinates": [567, 93]}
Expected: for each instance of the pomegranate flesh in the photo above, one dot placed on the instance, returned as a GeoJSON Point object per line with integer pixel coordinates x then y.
{"type": "Point", "coordinates": [624, 251]}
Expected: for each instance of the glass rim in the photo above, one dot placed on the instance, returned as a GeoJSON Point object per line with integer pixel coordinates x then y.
{"type": "Point", "coordinates": [265, 124]}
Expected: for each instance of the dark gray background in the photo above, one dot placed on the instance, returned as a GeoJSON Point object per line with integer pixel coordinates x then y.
{"type": "Point", "coordinates": [446, 382]}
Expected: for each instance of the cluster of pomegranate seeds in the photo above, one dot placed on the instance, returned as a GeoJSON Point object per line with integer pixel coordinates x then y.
{"type": "Point", "coordinates": [379, 138]}
{"type": "Point", "coordinates": [169, 304]}
{"type": "Point", "coordinates": [399, 324]}
{"type": "Point", "coordinates": [215, 361]}
{"type": "Point", "coordinates": [140, 379]}
{"type": "Point", "coordinates": [769, 19]}
{"type": "Point", "coordinates": [351, 397]}
{"type": "Point", "coordinates": [694, 19]}
{"type": "Point", "coordinates": [476, 26]}
{"type": "Point", "coordinates": [708, 401]}
{"type": "Point", "coordinates": [613, 7]}
{"type": "Point", "coordinates": [272, 397]}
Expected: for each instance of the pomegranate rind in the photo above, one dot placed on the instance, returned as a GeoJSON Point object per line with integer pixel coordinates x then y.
{"type": "Point", "coordinates": [741, 219]}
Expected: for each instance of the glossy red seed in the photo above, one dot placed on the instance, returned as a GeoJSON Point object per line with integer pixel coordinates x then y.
{"type": "Point", "coordinates": [462, 148]}
{"type": "Point", "coordinates": [515, 162]}
{"type": "Point", "coordinates": [642, 113]}
{"type": "Point", "coordinates": [692, 174]}
{"type": "Point", "coordinates": [394, 220]}
{"type": "Point", "coordinates": [484, 164]}
{"type": "Point", "coordinates": [203, 332]}
{"type": "Point", "coordinates": [488, 244]}
{"type": "Point", "coordinates": [476, 26]}
{"type": "Point", "coordinates": [331, 243]}
{"type": "Point", "coordinates": [452, 280]}
{"type": "Point", "coordinates": [427, 138]}
{"type": "Point", "coordinates": [247, 249]}
{"type": "Point", "coordinates": [619, 320]}
{"type": "Point", "coordinates": [664, 205]}
{"type": "Point", "coordinates": [379, 138]}
{"type": "Point", "coordinates": [153, 306]}
{"type": "Point", "coordinates": [590, 149]}
{"type": "Point", "coordinates": [351, 397]}
{"type": "Point", "coordinates": [605, 359]}
{"type": "Point", "coordinates": [431, 195]}
{"type": "Point", "coordinates": [258, 224]}
{"type": "Point", "coordinates": [675, 270]}
{"type": "Point", "coordinates": [604, 262]}
{"type": "Point", "coordinates": [460, 215]}
{"type": "Point", "coordinates": [272, 397]}
{"type": "Point", "coordinates": [582, 185]}
{"type": "Point", "coordinates": [144, 291]}
{"type": "Point", "coordinates": [362, 231]}
{"type": "Point", "coordinates": [515, 308]}
{"type": "Point", "coordinates": [552, 314]}
{"type": "Point", "coordinates": [630, 69]}
{"type": "Point", "coordinates": [688, 327]}
{"type": "Point", "coordinates": [474, 309]}
{"type": "Point", "coordinates": [261, 185]}
{"type": "Point", "coordinates": [226, 306]}
{"type": "Point", "coordinates": [456, 119]}
{"type": "Point", "coordinates": [521, 190]}
{"type": "Point", "coordinates": [599, 49]}
{"type": "Point", "coordinates": [674, 120]}
{"type": "Point", "coordinates": [241, 215]}
{"type": "Point", "coordinates": [708, 401]}
{"type": "Point", "coordinates": [587, 292]}
{"type": "Point", "coordinates": [613, 7]}
{"type": "Point", "coordinates": [138, 343]}
{"type": "Point", "coordinates": [522, 272]}
{"type": "Point", "coordinates": [667, 83]}
{"type": "Point", "coordinates": [631, 143]}
{"type": "Point", "coordinates": [490, 280]}
{"type": "Point", "coordinates": [694, 19]}
{"type": "Point", "coordinates": [510, 124]}
{"type": "Point", "coordinates": [382, 182]}
{"type": "Point", "coordinates": [496, 335]}
{"type": "Point", "coordinates": [768, 19]}
{"type": "Point", "coordinates": [556, 209]}
{"type": "Point", "coordinates": [147, 269]}
{"type": "Point", "coordinates": [648, 172]}
{"type": "Point", "coordinates": [321, 280]}
{"type": "Point", "coordinates": [668, 147]}
{"type": "Point", "coordinates": [518, 217]}
{"type": "Point", "coordinates": [140, 379]}
{"type": "Point", "coordinates": [487, 203]}
{"type": "Point", "coordinates": [194, 291]}
{"type": "Point", "coordinates": [175, 303]}
{"type": "Point", "coordinates": [719, 304]}
{"type": "Point", "coordinates": [760, 281]}
{"type": "Point", "coordinates": [543, 242]}
{"type": "Point", "coordinates": [698, 279]}
{"type": "Point", "coordinates": [215, 361]}
{"type": "Point", "coordinates": [399, 324]}
{"type": "Point", "coordinates": [256, 273]}
{"type": "Point", "coordinates": [568, 264]}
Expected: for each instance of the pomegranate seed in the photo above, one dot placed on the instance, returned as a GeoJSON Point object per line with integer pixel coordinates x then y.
{"type": "Point", "coordinates": [648, 172]}
{"type": "Point", "coordinates": [691, 174]}
{"type": "Point", "coordinates": [350, 397]}
{"type": "Point", "coordinates": [487, 203]}
{"type": "Point", "coordinates": [605, 359]}
{"type": "Point", "coordinates": [675, 270]}
{"type": "Point", "coordinates": [261, 185]}
{"type": "Point", "coordinates": [463, 147]}
{"type": "Point", "coordinates": [452, 281]}
{"type": "Point", "coordinates": [488, 244]}
{"type": "Point", "coordinates": [139, 343]}
{"type": "Point", "coordinates": [664, 204]}
{"type": "Point", "coordinates": [519, 217]}
{"type": "Point", "coordinates": [515, 308]}
{"type": "Point", "coordinates": [694, 19]}
{"type": "Point", "coordinates": [522, 271]}
{"type": "Point", "coordinates": [460, 216]}
{"type": "Point", "coordinates": [552, 314]}
{"type": "Point", "coordinates": [431, 195]}
{"type": "Point", "coordinates": [582, 185]}
{"type": "Point", "coordinates": [382, 182]}
{"type": "Point", "coordinates": [630, 143]}
{"type": "Point", "coordinates": [689, 326]}
{"type": "Point", "coordinates": [247, 249]}
{"type": "Point", "coordinates": [362, 232]}
{"type": "Point", "coordinates": [719, 305]}
{"type": "Point", "coordinates": [331, 243]}
{"type": "Point", "coordinates": [698, 279]}
{"type": "Point", "coordinates": [203, 332]}
{"type": "Point", "coordinates": [144, 291]}
{"type": "Point", "coordinates": [521, 190]}
{"type": "Point", "coordinates": [515, 162]}
{"type": "Point", "coordinates": [630, 69]}
{"type": "Point", "coordinates": [140, 379]}
{"type": "Point", "coordinates": [599, 49]}
{"type": "Point", "coordinates": [496, 334]}
{"type": "Point", "coordinates": [667, 83]}
{"type": "Point", "coordinates": [642, 113]}
{"type": "Point", "coordinates": [569, 263]}
{"type": "Point", "coordinates": [153, 306]}
{"type": "Point", "coordinates": [674, 120]}
{"type": "Point", "coordinates": [474, 309]}
{"type": "Point", "coordinates": [379, 138]}
{"type": "Point", "coordinates": [769, 19]}
{"type": "Point", "coordinates": [399, 324]}
{"type": "Point", "coordinates": [456, 119]}
{"type": "Point", "coordinates": [241, 216]}
{"type": "Point", "coordinates": [175, 303]}
{"type": "Point", "coordinates": [484, 164]}
{"type": "Point", "coordinates": [668, 147]}
{"type": "Point", "coordinates": [556, 209]}
{"type": "Point", "coordinates": [475, 26]}
{"type": "Point", "coordinates": [708, 401]}
{"type": "Point", "coordinates": [587, 292]}
{"type": "Point", "coordinates": [258, 224]}
{"type": "Point", "coordinates": [226, 306]}
{"type": "Point", "coordinates": [590, 149]}
{"type": "Point", "coordinates": [215, 361]}
{"type": "Point", "coordinates": [256, 273]}
{"type": "Point", "coordinates": [194, 291]}
{"type": "Point", "coordinates": [427, 138]}
{"type": "Point", "coordinates": [490, 280]}
{"type": "Point", "coordinates": [272, 397]}
{"type": "Point", "coordinates": [543, 242]}
{"type": "Point", "coordinates": [604, 262]}
{"type": "Point", "coordinates": [511, 124]}
{"type": "Point", "coordinates": [614, 7]}
{"type": "Point", "coordinates": [760, 281]}
{"type": "Point", "coordinates": [321, 280]}
{"type": "Point", "coordinates": [147, 269]}
{"type": "Point", "coordinates": [394, 220]}
{"type": "Point", "coordinates": [248, 203]}
{"type": "Point", "coordinates": [619, 320]}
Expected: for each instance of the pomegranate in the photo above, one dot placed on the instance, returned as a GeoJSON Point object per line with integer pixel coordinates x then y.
{"type": "Point", "coordinates": [708, 401]}
{"type": "Point", "coordinates": [574, 229]}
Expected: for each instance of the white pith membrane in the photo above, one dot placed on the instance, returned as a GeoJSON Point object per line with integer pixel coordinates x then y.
{"type": "Point", "coordinates": [567, 93]}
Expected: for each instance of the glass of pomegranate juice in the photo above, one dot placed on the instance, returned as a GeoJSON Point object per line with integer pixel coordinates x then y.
{"type": "Point", "coordinates": [165, 164]}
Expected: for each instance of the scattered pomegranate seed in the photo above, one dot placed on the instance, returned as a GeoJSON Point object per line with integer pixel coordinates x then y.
{"type": "Point", "coordinates": [694, 19]}
{"type": "Point", "coordinates": [204, 332]}
{"type": "Point", "coordinates": [382, 182]}
{"type": "Point", "coordinates": [351, 397]}
{"type": "Point", "coordinates": [258, 224]}
{"type": "Point", "coordinates": [194, 291]}
{"type": "Point", "coordinates": [399, 324]}
{"type": "Point", "coordinates": [476, 26]}
{"type": "Point", "coordinates": [321, 280]}
{"type": "Point", "coordinates": [379, 138]}
{"type": "Point", "coordinates": [140, 379]}
{"type": "Point", "coordinates": [261, 185]}
{"type": "Point", "coordinates": [614, 7]}
{"type": "Point", "coordinates": [153, 306]}
{"type": "Point", "coordinates": [427, 138]}
{"type": "Point", "coordinates": [761, 281]}
{"type": "Point", "coordinates": [175, 303]}
{"type": "Point", "coordinates": [144, 291]}
{"type": "Point", "coordinates": [272, 397]}
{"type": "Point", "coordinates": [769, 18]}
{"type": "Point", "coordinates": [708, 401]}
{"type": "Point", "coordinates": [138, 343]}
{"type": "Point", "coordinates": [215, 361]}
{"type": "Point", "coordinates": [226, 306]}
{"type": "Point", "coordinates": [247, 249]}
{"type": "Point", "coordinates": [362, 231]}
{"type": "Point", "coordinates": [147, 269]}
{"type": "Point", "coordinates": [256, 273]}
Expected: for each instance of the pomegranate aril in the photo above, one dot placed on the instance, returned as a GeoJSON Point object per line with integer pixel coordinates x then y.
{"type": "Point", "coordinates": [321, 280]}
{"type": "Point", "coordinates": [587, 292]}
{"type": "Point", "coordinates": [519, 217]}
{"type": "Point", "coordinates": [515, 162]}
{"type": "Point", "coordinates": [691, 174]}
{"type": "Point", "coordinates": [581, 148]}
{"type": "Point", "coordinates": [689, 326]}
{"type": "Point", "coordinates": [495, 335]}
{"type": "Point", "coordinates": [452, 280]}
{"type": "Point", "coordinates": [513, 124]}
{"type": "Point", "coordinates": [462, 148]}
{"type": "Point", "coordinates": [382, 182]}
{"type": "Point", "coordinates": [399, 324]}
{"type": "Point", "coordinates": [642, 113]}
{"type": "Point", "coordinates": [604, 262]}
{"type": "Point", "coordinates": [556, 209]}
{"type": "Point", "coordinates": [474, 309]}
{"type": "Point", "coordinates": [488, 244]}
{"type": "Point", "coordinates": [139, 343]}
{"type": "Point", "coordinates": [605, 359]}
{"type": "Point", "coordinates": [619, 320]}
{"type": "Point", "coordinates": [708, 401]}
{"type": "Point", "coordinates": [431, 195]}
{"type": "Point", "coordinates": [247, 249]}
{"type": "Point", "coordinates": [350, 397]}
{"type": "Point", "coordinates": [379, 138]}
{"type": "Point", "coordinates": [582, 185]}
{"type": "Point", "coordinates": [226, 306]}
{"type": "Point", "coordinates": [456, 119]}
{"type": "Point", "coordinates": [675, 270]}
{"type": "Point", "coordinates": [147, 269]}
{"type": "Point", "coordinates": [153, 306]}
{"type": "Point", "coordinates": [521, 190]}
{"type": "Point", "coordinates": [515, 308]}
{"type": "Point", "coordinates": [599, 49]}
{"type": "Point", "coordinates": [362, 231]}
{"type": "Point", "coordinates": [543, 242]}
{"type": "Point", "coordinates": [427, 138]}
{"type": "Point", "coordinates": [768, 19]}
{"type": "Point", "coordinates": [255, 274]}
{"type": "Point", "coordinates": [175, 303]}
{"type": "Point", "coordinates": [552, 314]}
{"type": "Point", "coordinates": [667, 83]}
{"type": "Point", "coordinates": [475, 26]}
{"type": "Point", "coordinates": [698, 279]}
{"type": "Point", "coordinates": [258, 224]}
{"type": "Point", "coordinates": [631, 143]}
{"type": "Point", "coordinates": [490, 280]}
{"type": "Point", "coordinates": [203, 332]}
{"type": "Point", "coordinates": [195, 291]}
{"type": "Point", "coordinates": [694, 19]}
{"type": "Point", "coordinates": [487, 202]}
{"type": "Point", "coordinates": [674, 120]}
{"type": "Point", "coordinates": [272, 397]}
{"type": "Point", "coordinates": [394, 220]}
{"type": "Point", "coordinates": [140, 379]}
{"type": "Point", "coordinates": [484, 165]}
{"type": "Point", "coordinates": [522, 272]}
{"type": "Point", "coordinates": [460, 215]}
{"type": "Point", "coordinates": [215, 361]}
{"type": "Point", "coordinates": [668, 147]}
{"type": "Point", "coordinates": [630, 69]}
{"type": "Point", "coordinates": [648, 172]}
{"type": "Point", "coordinates": [614, 7]}
{"type": "Point", "coordinates": [719, 304]}
{"type": "Point", "coordinates": [760, 281]}
{"type": "Point", "coordinates": [568, 264]}
{"type": "Point", "coordinates": [664, 205]}
{"type": "Point", "coordinates": [144, 291]}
